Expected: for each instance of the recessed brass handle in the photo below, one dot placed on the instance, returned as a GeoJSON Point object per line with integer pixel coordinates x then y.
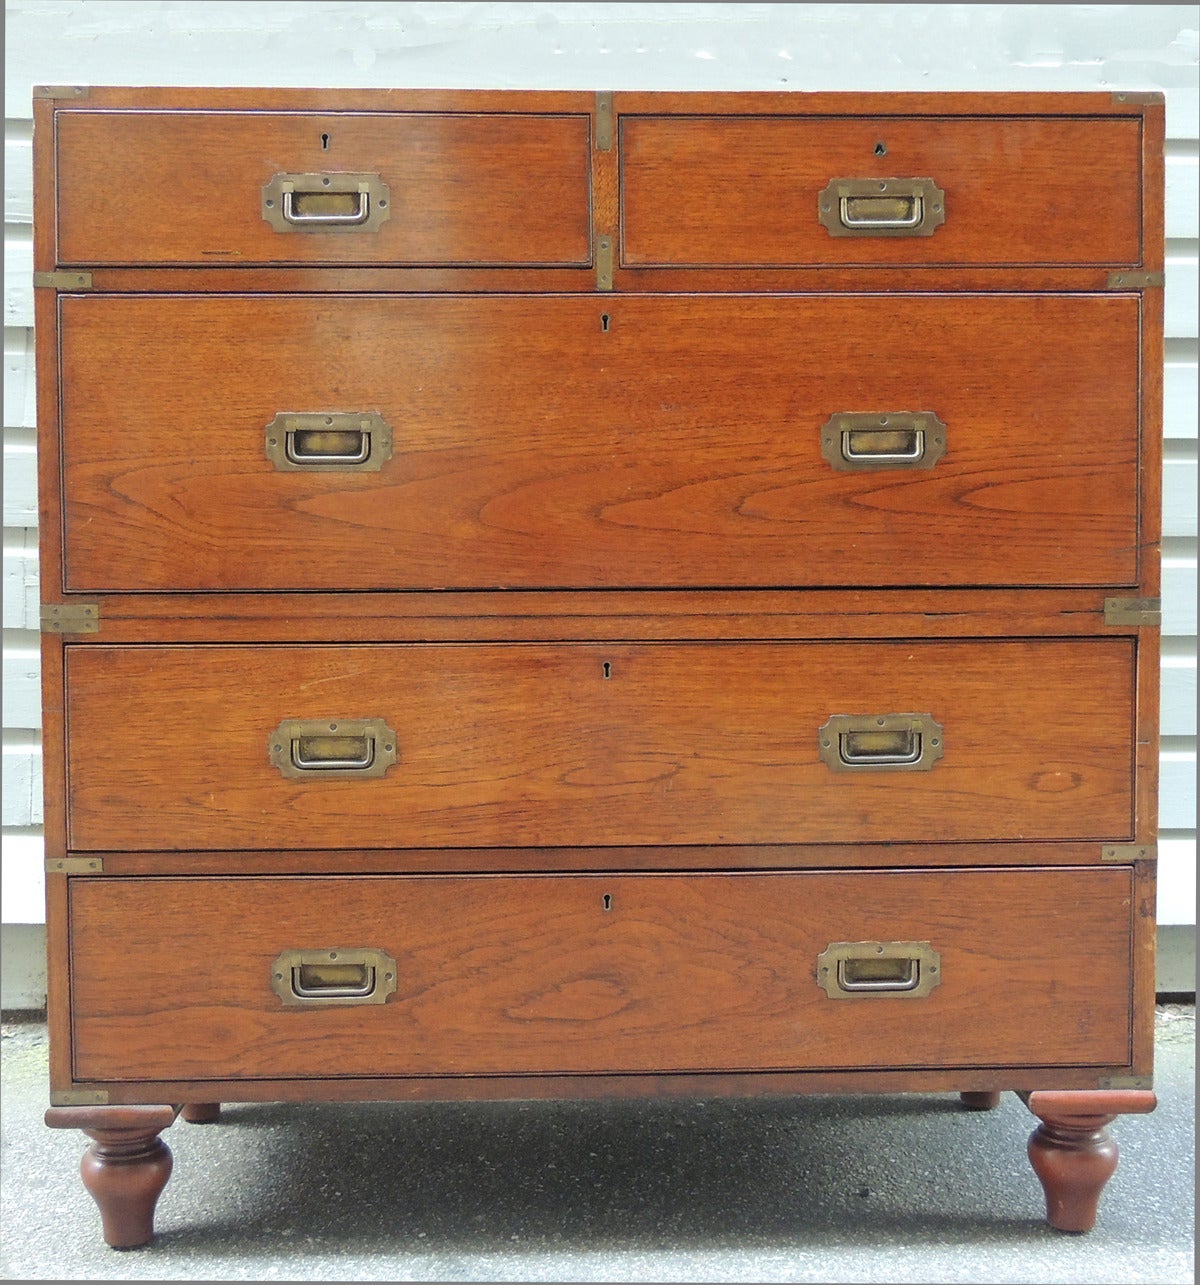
{"type": "Point", "coordinates": [857, 969]}
{"type": "Point", "coordinates": [865, 441]}
{"type": "Point", "coordinates": [346, 749]}
{"type": "Point", "coordinates": [881, 207]}
{"type": "Point", "coordinates": [326, 202]}
{"type": "Point", "coordinates": [320, 442]}
{"type": "Point", "coordinates": [880, 742]}
{"type": "Point", "coordinates": [333, 977]}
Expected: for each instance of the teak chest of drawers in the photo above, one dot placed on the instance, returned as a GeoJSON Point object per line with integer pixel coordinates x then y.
{"type": "Point", "coordinates": [580, 594]}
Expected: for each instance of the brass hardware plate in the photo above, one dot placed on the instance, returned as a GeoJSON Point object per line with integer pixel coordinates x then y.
{"type": "Point", "coordinates": [74, 865]}
{"type": "Point", "coordinates": [345, 749]}
{"type": "Point", "coordinates": [329, 977]}
{"type": "Point", "coordinates": [1124, 1082]}
{"type": "Point", "coordinates": [604, 263]}
{"type": "Point", "coordinates": [62, 280]}
{"type": "Point", "coordinates": [881, 207]}
{"type": "Point", "coordinates": [61, 91]}
{"type": "Point", "coordinates": [339, 442]}
{"type": "Point", "coordinates": [604, 121]}
{"type": "Point", "coordinates": [79, 1097]}
{"type": "Point", "coordinates": [1133, 611]}
{"type": "Point", "coordinates": [880, 742]}
{"type": "Point", "coordinates": [1135, 280]}
{"type": "Point", "coordinates": [1139, 98]}
{"type": "Point", "coordinates": [858, 441]}
{"type": "Point", "coordinates": [326, 202]}
{"type": "Point", "coordinates": [1127, 852]}
{"type": "Point", "coordinates": [71, 618]}
{"type": "Point", "coordinates": [874, 969]}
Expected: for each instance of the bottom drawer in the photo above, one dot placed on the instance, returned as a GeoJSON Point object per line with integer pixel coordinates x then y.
{"type": "Point", "coordinates": [190, 978]}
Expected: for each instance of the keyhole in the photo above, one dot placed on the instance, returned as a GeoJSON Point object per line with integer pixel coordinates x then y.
{"type": "Point", "coordinates": [604, 320]}
{"type": "Point", "coordinates": [880, 148]}
{"type": "Point", "coordinates": [607, 668]}
{"type": "Point", "coordinates": [607, 899]}
{"type": "Point", "coordinates": [325, 143]}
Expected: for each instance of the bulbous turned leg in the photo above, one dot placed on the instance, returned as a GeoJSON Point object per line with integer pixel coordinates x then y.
{"type": "Point", "coordinates": [1071, 1150]}
{"type": "Point", "coordinates": [125, 1167]}
{"type": "Point", "coordinates": [984, 1101]}
{"type": "Point", "coordinates": [201, 1112]}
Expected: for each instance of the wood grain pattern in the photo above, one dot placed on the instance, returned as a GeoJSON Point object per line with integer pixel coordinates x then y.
{"type": "Point", "coordinates": [728, 190]}
{"type": "Point", "coordinates": [533, 744]}
{"type": "Point", "coordinates": [510, 975]}
{"type": "Point", "coordinates": [478, 188]}
{"type": "Point", "coordinates": [534, 448]}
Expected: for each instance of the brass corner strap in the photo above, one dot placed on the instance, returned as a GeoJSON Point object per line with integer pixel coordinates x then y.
{"type": "Point", "coordinates": [1139, 97]}
{"type": "Point", "coordinates": [1125, 853]}
{"type": "Point", "coordinates": [1135, 281]}
{"type": "Point", "coordinates": [77, 1098]}
{"type": "Point", "coordinates": [62, 280]}
{"type": "Point", "coordinates": [1133, 611]}
{"type": "Point", "coordinates": [604, 263]}
{"type": "Point", "coordinates": [61, 91]}
{"type": "Point", "coordinates": [71, 618]}
{"type": "Point", "coordinates": [74, 865]}
{"type": "Point", "coordinates": [604, 121]}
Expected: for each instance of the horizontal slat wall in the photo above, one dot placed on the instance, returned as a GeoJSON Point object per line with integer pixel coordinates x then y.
{"type": "Point", "coordinates": [592, 46]}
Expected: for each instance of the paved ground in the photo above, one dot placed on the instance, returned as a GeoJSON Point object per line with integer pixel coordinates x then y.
{"type": "Point", "coordinates": [814, 1189]}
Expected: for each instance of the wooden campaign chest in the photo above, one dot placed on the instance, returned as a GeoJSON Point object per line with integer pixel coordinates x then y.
{"type": "Point", "coordinates": [558, 594]}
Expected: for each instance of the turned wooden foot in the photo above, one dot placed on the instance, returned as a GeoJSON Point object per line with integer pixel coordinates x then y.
{"type": "Point", "coordinates": [201, 1112]}
{"type": "Point", "coordinates": [985, 1101]}
{"type": "Point", "coordinates": [1071, 1150]}
{"type": "Point", "coordinates": [125, 1167]}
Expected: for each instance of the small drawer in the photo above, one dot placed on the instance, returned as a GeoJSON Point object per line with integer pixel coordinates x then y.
{"type": "Point", "coordinates": [206, 188]}
{"type": "Point", "coordinates": [581, 744]}
{"type": "Point", "coordinates": [518, 975]}
{"type": "Point", "coordinates": [375, 442]}
{"type": "Point", "coordinates": [864, 191]}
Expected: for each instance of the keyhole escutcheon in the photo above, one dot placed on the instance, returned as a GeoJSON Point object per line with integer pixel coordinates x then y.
{"type": "Point", "coordinates": [606, 669]}
{"type": "Point", "coordinates": [607, 900]}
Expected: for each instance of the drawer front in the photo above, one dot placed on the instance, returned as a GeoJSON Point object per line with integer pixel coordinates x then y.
{"type": "Point", "coordinates": [188, 188]}
{"type": "Point", "coordinates": [579, 974]}
{"type": "Point", "coordinates": [709, 190]}
{"type": "Point", "coordinates": [580, 443]}
{"type": "Point", "coordinates": [172, 747]}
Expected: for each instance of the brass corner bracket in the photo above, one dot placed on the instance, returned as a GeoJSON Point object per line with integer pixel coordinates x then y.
{"type": "Point", "coordinates": [71, 618]}
{"type": "Point", "coordinates": [1128, 852]}
{"type": "Point", "coordinates": [61, 91]}
{"type": "Point", "coordinates": [1133, 611]}
{"type": "Point", "coordinates": [604, 121]}
{"type": "Point", "coordinates": [74, 865]}
{"type": "Point", "coordinates": [62, 280]}
{"type": "Point", "coordinates": [1135, 281]}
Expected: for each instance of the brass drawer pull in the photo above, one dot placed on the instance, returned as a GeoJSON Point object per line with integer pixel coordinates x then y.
{"type": "Point", "coordinates": [873, 742]}
{"type": "Point", "coordinates": [319, 442]}
{"type": "Point", "coordinates": [858, 441]}
{"type": "Point", "coordinates": [856, 969]}
{"type": "Point", "coordinates": [326, 202]}
{"type": "Point", "coordinates": [317, 977]}
{"type": "Point", "coordinates": [881, 207]}
{"type": "Point", "coordinates": [358, 749]}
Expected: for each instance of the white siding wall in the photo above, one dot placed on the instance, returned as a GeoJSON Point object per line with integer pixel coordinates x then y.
{"type": "Point", "coordinates": [602, 46]}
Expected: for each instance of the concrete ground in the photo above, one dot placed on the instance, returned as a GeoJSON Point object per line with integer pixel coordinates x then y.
{"type": "Point", "coordinates": [902, 1188]}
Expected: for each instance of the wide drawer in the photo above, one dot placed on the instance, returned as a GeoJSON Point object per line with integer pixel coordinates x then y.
{"type": "Point", "coordinates": [579, 443]}
{"type": "Point", "coordinates": [195, 747]}
{"type": "Point", "coordinates": [204, 978]}
{"type": "Point", "coordinates": [191, 187]}
{"type": "Point", "coordinates": [1002, 191]}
